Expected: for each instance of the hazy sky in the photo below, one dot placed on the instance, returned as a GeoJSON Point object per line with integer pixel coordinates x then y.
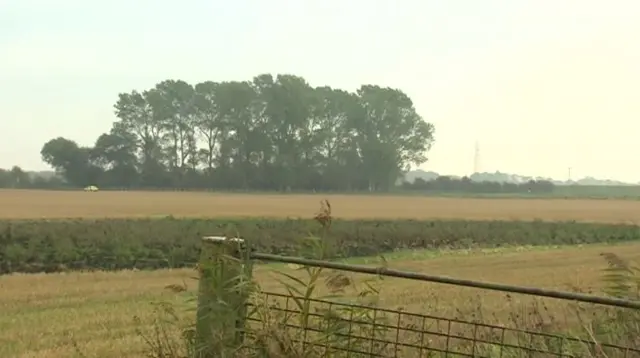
{"type": "Point", "coordinates": [543, 85]}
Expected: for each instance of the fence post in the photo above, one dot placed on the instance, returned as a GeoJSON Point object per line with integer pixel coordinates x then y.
{"type": "Point", "coordinates": [222, 296]}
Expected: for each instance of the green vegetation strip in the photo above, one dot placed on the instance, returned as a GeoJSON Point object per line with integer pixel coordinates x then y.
{"type": "Point", "coordinates": [50, 246]}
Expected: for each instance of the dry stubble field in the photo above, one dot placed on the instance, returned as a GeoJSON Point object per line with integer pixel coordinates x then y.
{"type": "Point", "coordinates": [18, 204]}
{"type": "Point", "coordinates": [56, 315]}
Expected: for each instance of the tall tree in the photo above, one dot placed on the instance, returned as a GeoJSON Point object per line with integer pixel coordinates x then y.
{"type": "Point", "coordinates": [391, 135]}
{"type": "Point", "coordinates": [208, 122]}
{"type": "Point", "coordinates": [137, 118]}
{"type": "Point", "coordinates": [287, 109]}
{"type": "Point", "coordinates": [335, 122]}
{"type": "Point", "coordinates": [242, 138]}
{"type": "Point", "coordinates": [172, 104]}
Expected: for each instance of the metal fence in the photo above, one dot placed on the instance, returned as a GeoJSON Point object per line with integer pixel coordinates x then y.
{"type": "Point", "coordinates": [361, 331]}
{"type": "Point", "coordinates": [309, 327]}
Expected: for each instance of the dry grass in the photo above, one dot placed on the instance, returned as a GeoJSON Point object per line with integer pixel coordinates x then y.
{"type": "Point", "coordinates": [45, 315]}
{"type": "Point", "coordinates": [61, 204]}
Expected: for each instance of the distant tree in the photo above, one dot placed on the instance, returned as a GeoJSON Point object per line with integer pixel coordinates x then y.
{"type": "Point", "coordinates": [17, 178]}
{"type": "Point", "coordinates": [14, 178]}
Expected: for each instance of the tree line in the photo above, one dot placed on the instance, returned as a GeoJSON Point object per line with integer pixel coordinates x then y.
{"type": "Point", "coordinates": [19, 179]}
{"type": "Point", "coordinates": [268, 133]}
{"type": "Point", "coordinates": [447, 184]}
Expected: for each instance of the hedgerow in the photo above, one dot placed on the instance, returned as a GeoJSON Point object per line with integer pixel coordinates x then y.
{"type": "Point", "coordinates": [110, 244]}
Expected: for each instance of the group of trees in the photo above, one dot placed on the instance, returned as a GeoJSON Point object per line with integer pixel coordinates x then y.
{"type": "Point", "coordinates": [270, 133]}
{"type": "Point", "coordinates": [448, 184]}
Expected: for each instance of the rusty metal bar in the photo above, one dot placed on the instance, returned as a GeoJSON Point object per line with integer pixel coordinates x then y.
{"type": "Point", "coordinates": [608, 301]}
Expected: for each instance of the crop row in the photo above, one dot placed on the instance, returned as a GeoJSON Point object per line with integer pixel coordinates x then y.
{"type": "Point", "coordinates": [48, 246]}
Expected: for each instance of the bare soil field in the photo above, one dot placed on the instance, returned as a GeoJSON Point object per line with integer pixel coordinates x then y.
{"type": "Point", "coordinates": [57, 315]}
{"type": "Point", "coordinates": [22, 204]}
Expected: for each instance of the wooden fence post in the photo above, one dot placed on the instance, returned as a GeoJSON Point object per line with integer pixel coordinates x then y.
{"type": "Point", "coordinates": [222, 295]}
